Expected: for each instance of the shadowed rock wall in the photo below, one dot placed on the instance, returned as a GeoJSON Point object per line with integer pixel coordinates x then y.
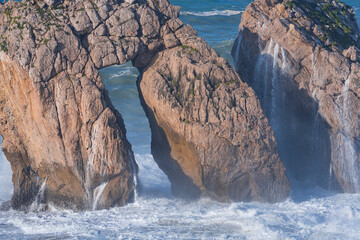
{"type": "Point", "coordinates": [301, 57]}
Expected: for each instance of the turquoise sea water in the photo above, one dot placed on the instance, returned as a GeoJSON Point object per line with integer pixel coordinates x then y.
{"type": "Point", "coordinates": [308, 214]}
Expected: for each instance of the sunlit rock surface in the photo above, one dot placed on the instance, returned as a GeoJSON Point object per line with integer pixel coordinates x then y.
{"type": "Point", "coordinates": [67, 144]}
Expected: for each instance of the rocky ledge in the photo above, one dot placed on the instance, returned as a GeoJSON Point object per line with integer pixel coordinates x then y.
{"type": "Point", "coordinates": [308, 51]}
{"type": "Point", "coordinates": [67, 144]}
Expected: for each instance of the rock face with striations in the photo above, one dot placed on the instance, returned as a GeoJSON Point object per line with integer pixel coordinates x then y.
{"type": "Point", "coordinates": [209, 134]}
{"type": "Point", "coordinates": [67, 144]}
{"type": "Point", "coordinates": [302, 59]}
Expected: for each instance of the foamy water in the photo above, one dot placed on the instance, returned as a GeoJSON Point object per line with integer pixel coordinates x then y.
{"type": "Point", "coordinates": [156, 217]}
{"type": "Point", "coordinates": [213, 13]}
{"type": "Point", "coordinates": [308, 214]}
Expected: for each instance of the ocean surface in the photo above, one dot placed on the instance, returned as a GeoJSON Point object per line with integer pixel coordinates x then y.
{"type": "Point", "coordinates": [310, 213]}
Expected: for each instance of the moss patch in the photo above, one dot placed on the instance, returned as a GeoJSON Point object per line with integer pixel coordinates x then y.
{"type": "Point", "coordinates": [330, 18]}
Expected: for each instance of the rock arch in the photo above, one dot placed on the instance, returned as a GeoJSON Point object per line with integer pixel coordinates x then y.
{"type": "Point", "coordinates": [67, 143]}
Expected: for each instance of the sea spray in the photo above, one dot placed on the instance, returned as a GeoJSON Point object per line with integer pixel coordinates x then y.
{"type": "Point", "coordinates": [318, 149]}
{"type": "Point", "coordinates": [38, 204]}
{"type": "Point", "coordinates": [256, 84]}
{"type": "Point", "coordinates": [346, 152]}
{"type": "Point", "coordinates": [133, 166]}
{"type": "Point", "coordinates": [284, 69]}
{"type": "Point", "coordinates": [237, 50]}
{"type": "Point", "coordinates": [87, 183]}
{"type": "Point", "coordinates": [274, 88]}
{"type": "Point", "coordinates": [89, 170]}
{"type": "Point", "coordinates": [256, 81]}
{"type": "Point", "coordinates": [347, 167]}
{"type": "Point", "coordinates": [268, 57]}
{"type": "Point", "coordinates": [284, 62]}
{"type": "Point", "coordinates": [97, 194]}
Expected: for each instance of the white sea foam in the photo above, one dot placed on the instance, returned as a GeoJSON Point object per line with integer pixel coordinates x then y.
{"type": "Point", "coordinates": [212, 13]}
{"type": "Point", "coordinates": [97, 194]}
{"type": "Point", "coordinates": [124, 73]}
{"type": "Point", "coordinates": [157, 215]}
{"type": "Point", "coordinates": [37, 204]}
{"type": "Point", "coordinates": [329, 217]}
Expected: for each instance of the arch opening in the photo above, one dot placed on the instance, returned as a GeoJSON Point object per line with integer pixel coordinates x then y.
{"type": "Point", "coordinates": [120, 82]}
{"type": "Point", "coordinates": [6, 185]}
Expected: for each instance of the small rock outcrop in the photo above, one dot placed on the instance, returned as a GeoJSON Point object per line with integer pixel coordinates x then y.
{"type": "Point", "coordinates": [67, 143]}
{"type": "Point", "coordinates": [302, 59]}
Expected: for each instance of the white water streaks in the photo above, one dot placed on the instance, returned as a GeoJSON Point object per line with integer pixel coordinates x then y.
{"type": "Point", "coordinates": [284, 66]}
{"type": "Point", "coordinates": [347, 166]}
{"type": "Point", "coordinates": [267, 59]}
{"type": "Point", "coordinates": [268, 82]}
{"type": "Point", "coordinates": [318, 152]}
{"type": "Point", "coordinates": [275, 88]}
{"type": "Point", "coordinates": [346, 151]}
{"type": "Point", "coordinates": [97, 194]}
{"type": "Point", "coordinates": [37, 205]}
{"type": "Point", "coordinates": [212, 13]}
{"type": "Point", "coordinates": [237, 50]}
{"type": "Point", "coordinates": [284, 71]}
{"type": "Point", "coordinates": [346, 113]}
{"type": "Point", "coordinates": [133, 166]}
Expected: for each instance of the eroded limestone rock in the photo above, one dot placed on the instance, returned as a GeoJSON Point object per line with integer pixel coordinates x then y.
{"type": "Point", "coordinates": [292, 54]}
{"type": "Point", "coordinates": [67, 144]}
{"type": "Point", "coordinates": [209, 134]}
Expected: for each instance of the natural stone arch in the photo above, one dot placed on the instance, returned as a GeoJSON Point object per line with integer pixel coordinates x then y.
{"type": "Point", "coordinates": [64, 138]}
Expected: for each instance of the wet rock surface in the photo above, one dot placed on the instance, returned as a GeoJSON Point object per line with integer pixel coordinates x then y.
{"type": "Point", "coordinates": [308, 52]}
{"type": "Point", "coordinates": [67, 144]}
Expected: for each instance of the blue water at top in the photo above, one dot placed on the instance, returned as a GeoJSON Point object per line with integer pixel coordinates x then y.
{"type": "Point", "coordinates": [218, 21]}
{"type": "Point", "coordinates": [312, 214]}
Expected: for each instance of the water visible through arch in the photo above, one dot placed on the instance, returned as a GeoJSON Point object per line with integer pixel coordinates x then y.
{"type": "Point", "coordinates": [120, 82]}
{"type": "Point", "coordinates": [6, 185]}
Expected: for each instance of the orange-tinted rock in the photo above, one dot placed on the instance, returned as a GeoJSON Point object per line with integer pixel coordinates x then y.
{"type": "Point", "coordinates": [67, 144]}
{"type": "Point", "coordinates": [210, 135]}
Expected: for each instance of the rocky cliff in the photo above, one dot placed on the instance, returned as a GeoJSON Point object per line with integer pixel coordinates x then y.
{"type": "Point", "coordinates": [302, 59]}
{"type": "Point", "coordinates": [209, 133]}
{"type": "Point", "coordinates": [67, 144]}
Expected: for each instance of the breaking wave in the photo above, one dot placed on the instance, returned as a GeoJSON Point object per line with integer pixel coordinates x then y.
{"type": "Point", "coordinates": [213, 13]}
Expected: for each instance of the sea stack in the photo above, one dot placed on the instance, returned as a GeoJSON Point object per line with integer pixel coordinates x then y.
{"type": "Point", "coordinates": [308, 53]}
{"type": "Point", "coordinates": [67, 143]}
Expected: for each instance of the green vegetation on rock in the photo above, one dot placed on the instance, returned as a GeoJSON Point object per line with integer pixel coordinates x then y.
{"type": "Point", "coordinates": [331, 17]}
{"type": "Point", "coordinates": [3, 44]}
